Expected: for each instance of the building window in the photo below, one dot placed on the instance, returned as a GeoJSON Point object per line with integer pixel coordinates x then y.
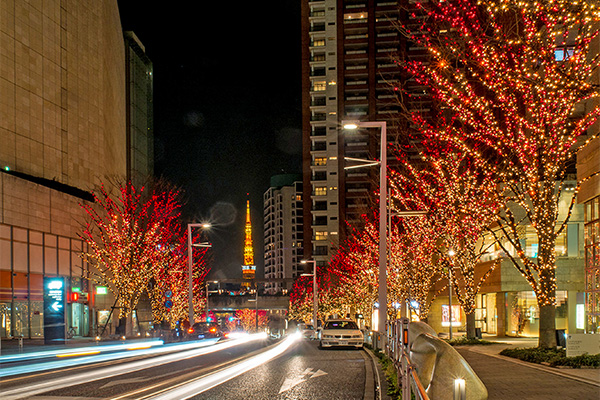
{"type": "Point", "coordinates": [318, 43]}
{"type": "Point", "coordinates": [563, 53]}
{"type": "Point", "coordinates": [320, 160]}
{"type": "Point", "coordinates": [320, 235]}
{"type": "Point", "coordinates": [320, 191]}
{"type": "Point", "coordinates": [592, 263]}
{"type": "Point", "coordinates": [319, 86]}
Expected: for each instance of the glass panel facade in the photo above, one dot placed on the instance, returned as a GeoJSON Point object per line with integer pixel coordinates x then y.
{"type": "Point", "coordinates": [592, 263]}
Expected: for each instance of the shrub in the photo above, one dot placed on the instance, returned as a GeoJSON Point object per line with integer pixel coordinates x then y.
{"type": "Point", "coordinates": [462, 340]}
{"type": "Point", "coordinates": [552, 356]}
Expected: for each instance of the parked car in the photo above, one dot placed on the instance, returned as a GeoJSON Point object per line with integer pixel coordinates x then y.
{"type": "Point", "coordinates": [341, 332]}
{"type": "Point", "coordinates": [204, 330]}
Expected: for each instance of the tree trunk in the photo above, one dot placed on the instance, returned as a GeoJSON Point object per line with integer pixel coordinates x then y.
{"type": "Point", "coordinates": [547, 326]}
{"type": "Point", "coordinates": [122, 328]}
{"type": "Point", "coordinates": [471, 325]}
{"type": "Point", "coordinates": [546, 295]}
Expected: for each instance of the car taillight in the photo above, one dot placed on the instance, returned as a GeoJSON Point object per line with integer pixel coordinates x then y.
{"type": "Point", "coordinates": [213, 330]}
{"type": "Point", "coordinates": [191, 330]}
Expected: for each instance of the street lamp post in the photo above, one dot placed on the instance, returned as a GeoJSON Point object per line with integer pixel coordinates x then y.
{"type": "Point", "coordinates": [382, 298]}
{"type": "Point", "coordinates": [315, 294]}
{"type": "Point", "coordinates": [190, 265]}
{"type": "Point", "coordinates": [450, 253]}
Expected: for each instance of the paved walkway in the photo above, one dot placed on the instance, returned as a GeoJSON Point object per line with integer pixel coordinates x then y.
{"type": "Point", "coordinates": [509, 378]}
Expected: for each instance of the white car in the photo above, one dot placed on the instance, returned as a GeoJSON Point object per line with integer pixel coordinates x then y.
{"type": "Point", "coordinates": [341, 332]}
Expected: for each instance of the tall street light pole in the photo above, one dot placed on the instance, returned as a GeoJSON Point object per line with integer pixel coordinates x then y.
{"type": "Point", "coordinates": [382, 298]}
{"type": "Point", "coordinates": [190, 265]}
{"type": "Point", "coordinates": [315, 294]}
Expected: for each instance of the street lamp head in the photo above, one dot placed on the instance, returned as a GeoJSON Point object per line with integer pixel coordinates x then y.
{"type": "Point", "coordinates": [207, 225]}
{"type": "Point", "coordinates": [350, 125]}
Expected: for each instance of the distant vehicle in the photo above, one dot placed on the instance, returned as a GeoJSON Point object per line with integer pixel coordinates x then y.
{"type": "Point", "coordinates": [341, 332]}
{"type": "Point", "coordinates": [308, 331]}
{"type": "Point", "coordinates": [204, 330]}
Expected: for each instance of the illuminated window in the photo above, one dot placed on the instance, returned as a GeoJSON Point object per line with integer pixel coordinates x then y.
{"type": "Point", "coordinates": [318, 42]}
{"type": "Point", "coordinates": [319, 86]}
{"type": "Point", "coordinates": [320, 235]}
{"type": "Point", "coordinates": [320, 160]}
{"type": "Point", "coordinates": [298, 197]}
{"type": "Point", "coordinates": [563, 53]}
{"type": "Point", "coordinates": [320, 191]}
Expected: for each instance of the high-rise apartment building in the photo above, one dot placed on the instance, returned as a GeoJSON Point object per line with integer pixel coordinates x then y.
{"type": "Point", "coordinates": [283, 227]}
{"type": "Point", "coordinates": [348, 73]}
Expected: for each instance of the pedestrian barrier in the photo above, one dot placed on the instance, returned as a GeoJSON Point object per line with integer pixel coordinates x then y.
{"type": "Point", "coordinates": [428, 367]}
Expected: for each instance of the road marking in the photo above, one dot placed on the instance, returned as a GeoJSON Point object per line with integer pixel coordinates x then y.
{"type": "Point", "coordinates": [303, 377]}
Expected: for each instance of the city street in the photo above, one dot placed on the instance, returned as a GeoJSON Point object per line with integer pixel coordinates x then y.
{"type": "Point", "coordinates": [259, 369]}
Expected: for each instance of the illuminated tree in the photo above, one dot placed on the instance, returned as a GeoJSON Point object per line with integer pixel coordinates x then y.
{"type": "Point", "coordinates": [459, 196]}
{"type": "Point", "coordinates": [125, 233]}
{"type": "Point", "coordinates": [247, 319]}
{"type": "Point", "coordinates": [356, 266]}
{"type": "Point", "coordinates": [516, 76]}
{"type": "Point", "coordinates": [170, 281]}
{"type": "Point", "coordinates": [331, 299]}
{"type": "Point", "coordinates": [412, 271]}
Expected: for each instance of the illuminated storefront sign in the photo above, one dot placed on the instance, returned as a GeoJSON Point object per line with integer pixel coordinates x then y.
{"type": "Point", "coordinates": [101, 290]}
{"type": "Point", "coordinates": [580, 316]}
{"type": "Point", "coordinates": [54, 310]}
{"type": "Point", "coordinates": [455, 315]}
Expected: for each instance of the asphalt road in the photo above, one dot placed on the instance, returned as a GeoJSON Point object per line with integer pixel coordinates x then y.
{"type": "Point", "coordinates": [257, 370]}
{"type": "Point", "coordinates": [304, 372]}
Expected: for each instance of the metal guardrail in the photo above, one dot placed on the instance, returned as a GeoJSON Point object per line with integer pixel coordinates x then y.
{"type": "Point", "coordinates": [428, 367]}
{"type": "Point", "coordinates": [398, 352]}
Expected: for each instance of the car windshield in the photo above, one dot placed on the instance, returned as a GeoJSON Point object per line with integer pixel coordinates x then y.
{"type": "Point", "coordinates": [341, 325]}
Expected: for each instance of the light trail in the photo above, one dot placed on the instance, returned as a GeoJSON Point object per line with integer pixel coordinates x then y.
{"type": "Point", "coordinates": [83, 353]}
{"type": "Point", "coordinates": [197, 386]}
{"type": "Point", "coordinates": [30, 390]}
{"type": "Point", "coordinates": [91, 359]}
{"type": "Point", "coordinates": [58, 352]}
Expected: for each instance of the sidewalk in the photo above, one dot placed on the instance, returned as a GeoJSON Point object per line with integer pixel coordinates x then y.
{"type": "Point", "coordinates": [506, 377]}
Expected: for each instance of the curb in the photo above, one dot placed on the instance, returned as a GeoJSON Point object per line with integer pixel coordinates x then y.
{"type": "Point", "coordinates": [380, 386]}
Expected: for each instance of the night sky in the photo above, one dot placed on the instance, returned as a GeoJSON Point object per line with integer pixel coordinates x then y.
{"type": "Point", "coordinates": [226, 108]}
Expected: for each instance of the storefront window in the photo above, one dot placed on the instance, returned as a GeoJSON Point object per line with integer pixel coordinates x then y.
{"type": "Point", "coordinates": [21, 318]}
{"type": "Point", "coordinates": [5, 320]}
{"type": "Point", "coordinates": [523, 313]}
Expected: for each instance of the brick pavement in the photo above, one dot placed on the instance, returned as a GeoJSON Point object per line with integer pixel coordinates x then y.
{"type": "Point", "coordinates": [507, 378]}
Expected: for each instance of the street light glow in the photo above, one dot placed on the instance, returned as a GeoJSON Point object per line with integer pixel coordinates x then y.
{"type": "Point", "coordinates": [351, 126]}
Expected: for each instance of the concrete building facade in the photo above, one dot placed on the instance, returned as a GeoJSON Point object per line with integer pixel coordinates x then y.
{"type": "Point", "coordinates": [63, 131]}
